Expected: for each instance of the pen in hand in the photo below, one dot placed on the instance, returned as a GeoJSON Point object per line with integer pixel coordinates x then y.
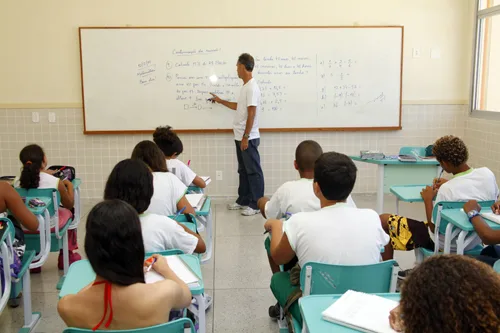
{"type": "Point", "coordinates": [152, 263]}
{"type": "Point", "coordinates": [179, 213]}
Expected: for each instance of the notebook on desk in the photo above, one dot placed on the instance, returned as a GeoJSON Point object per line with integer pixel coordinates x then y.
{"type": "Point", "coordinates": [491, 216]}
{"type": "Point", "coordinates": [180, 268]}
{"type": "Point", "coordinates": [363, 312]}
{"type": "Point", "coordinates": [196, 200]}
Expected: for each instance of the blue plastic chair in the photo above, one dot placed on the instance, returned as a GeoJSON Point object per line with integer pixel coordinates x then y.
{"type": "Point", "coordinates": [22, 282]}
{"type": "Point", "coordinates": [414, 151]}
{"type": "Point", "coordinates": [320, 279]}
{"type": "Point", "coordinates": [59, 237]}
{"type": "Point", "coordinates": [183, 325]}
{"type": "Point", "coordinates": [442, 226]}
{"type": "Point", "coordinates": [496, 266]}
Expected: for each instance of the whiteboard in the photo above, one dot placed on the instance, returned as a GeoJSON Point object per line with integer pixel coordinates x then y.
{"type": "Point", "coordinates": [311, 78]}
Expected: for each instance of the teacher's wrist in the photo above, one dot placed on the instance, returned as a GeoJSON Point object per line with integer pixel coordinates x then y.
{"type": "Point", "coordinates": [246, 136]}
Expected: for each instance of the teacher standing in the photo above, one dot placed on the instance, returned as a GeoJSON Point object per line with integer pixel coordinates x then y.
{"type": "Point", "coordinates": [247, 138]}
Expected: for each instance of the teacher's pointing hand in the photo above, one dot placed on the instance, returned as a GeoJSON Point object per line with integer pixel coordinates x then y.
{"type": "Point", "coordinates": [215, 98]}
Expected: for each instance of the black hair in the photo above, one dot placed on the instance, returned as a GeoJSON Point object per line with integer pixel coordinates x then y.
{"type": "Point", "coordinates": [306, 154]}
{"type": "Point", "coordinates": [148, 152]}
{"type": "Point", "coordinates": [31, 157]}
{"type": "Point", "coordinates": [114, 244]}
{"type": "Point", "coordinates": [246, 60]}
{"type": "Point", "coordinates": [168, 141]}
{"type": "Point", "coordinates": [335, 174]}
{"type": "Point", "coordinates": [131, 181]}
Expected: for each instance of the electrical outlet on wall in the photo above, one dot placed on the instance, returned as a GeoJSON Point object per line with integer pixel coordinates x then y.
{"type": "Point", "coordinates": [35, 117]}
{"type": "Point", "coordinates": [416, 52]}
{"type": "Point", "coordinates": [218, 175]}
{"type": "Point", "coordinates": [52, 117]}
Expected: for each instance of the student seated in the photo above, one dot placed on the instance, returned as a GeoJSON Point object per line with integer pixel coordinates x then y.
{"type": "Point", "coordinates": [336, 234]}
{"type": "Point", "coordinates": [132, 182]}
{"type": "Point", "coordinates": [297, 195]}
{"type": "Point", "coordinates": [20, 216]}
{"type": "Point", "coordinates": [488, 236]}
{"type": "Point", "coordinates": [114, 247]}
{"type": "Point", "coordinates": [448, 294]}
{"type": "Point", "coordinates": [34, 174]}
{"type": "Point", "coordinates": [169, 192]}
{"type": "Point", "coordinates": [171, 146]}
{"type": "Point", "coordinates": [467, 183]}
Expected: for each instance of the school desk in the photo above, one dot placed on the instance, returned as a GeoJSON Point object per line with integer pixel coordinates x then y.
{"type": "Point", "coordinates": [312, 306]}
{"type": "Point", "coordinates": [204, 215]}
{"type": "Point", "coordinates": [394, 172]}
{"type": "Point", "coordinates": [458, 223]}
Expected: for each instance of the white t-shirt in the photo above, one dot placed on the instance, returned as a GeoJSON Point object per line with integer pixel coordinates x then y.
{"type": "Point", "coordinates": [181, 170]}
{"type": "Point", "coordinates": [249, 96]}
{"type": "Point", "coordinates": [338, 235]}
{"type": "Point", "coordinates": [475, 184]}
{"type": "Point", "coordinates": [46, 182]}
{"type": "Point", "coordinates": [294, 197]}
{"type": "Point", "coordinates": [161, 233]}
{"type": "Point", "coordinates": [168, 190]}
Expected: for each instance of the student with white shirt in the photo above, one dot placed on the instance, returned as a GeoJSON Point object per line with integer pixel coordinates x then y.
{"type": "Point", "coordinates": [169, 195]}
{"type": "Point", "coordinates": [247, 138]}
{"type": "Point", "coordinates": [336, 234]}
{"type": "Point", "coordinates": [34, 174]}
{"type": "Point", "coordinates": [132, 181]}
{"type": "Point", "coordinates": [171, 146]}
{"type": "Point", "coordinates": [467, 184]}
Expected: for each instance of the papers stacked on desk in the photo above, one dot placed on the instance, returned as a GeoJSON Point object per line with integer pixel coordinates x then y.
{"type": "Point", "coordinates": [371, 155]}
{"type": "Point", "coordinates": [363, 312]}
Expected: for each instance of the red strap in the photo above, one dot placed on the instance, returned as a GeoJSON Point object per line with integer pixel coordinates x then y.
{"type": "Point", "coordinates": [107, 298]}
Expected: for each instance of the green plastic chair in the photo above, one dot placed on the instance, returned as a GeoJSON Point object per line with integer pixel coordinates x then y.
{"type": "Point", "coordinates": [22, 282]}
{"type": "Point", "coordinates": [496, 266]}
{"type": "Point", "coordinates": [183, 325]}
{"type": "Point", "coordinates": [444, 228]}
{"type": "Point", "coordinates": [414, 151]}
{"type": "Point", "coordinates": [320, 279]}
{"type": "Point", "coordinates": [58, 238]}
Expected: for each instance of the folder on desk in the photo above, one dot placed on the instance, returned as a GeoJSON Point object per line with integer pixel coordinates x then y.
{"type": "Point", "coordinates": [363, 312]}
{"type": "Point", "coordinates": [180, 268]}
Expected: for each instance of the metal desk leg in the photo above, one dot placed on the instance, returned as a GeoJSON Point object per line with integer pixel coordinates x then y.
{"type": "Point", "coordinates": [380, 189]}
{"type": "Point", "coordinates": [200, 312]}
{"type": "Point", "coordinates": [461, 242]}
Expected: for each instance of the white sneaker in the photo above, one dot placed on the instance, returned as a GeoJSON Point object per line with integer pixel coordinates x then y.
{"type": "Point", "coordinates": [250, 212]}
{"type": "Point", "coordinates": [235, 206]}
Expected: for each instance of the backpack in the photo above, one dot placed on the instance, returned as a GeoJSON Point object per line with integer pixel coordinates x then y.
{"type": "Point", "coordinates": [63, 172]}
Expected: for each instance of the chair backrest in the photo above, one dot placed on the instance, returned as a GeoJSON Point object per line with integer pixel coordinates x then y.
{"type": "Point", "coordinates": [184, 218]}
{"type": "Point", "coordinates": [337, 279]}
{"type": "Point", "coordinates": [415, 151]}
{"type": "Point", "coordinates": [183, 325]}
{"type": "Point", "coordinates": [165, 253]}
{"type": "Point", "coordinates": [10, 229]}
{"type": "Point", "coordinates": [436, 216]}
{"type": "Point", "coordinates": [42, 192]}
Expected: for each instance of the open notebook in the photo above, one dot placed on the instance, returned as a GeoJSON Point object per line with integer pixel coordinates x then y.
{"type": "Point", "coordinates": [196, 200]}
{"type": "Point", "coordinates": [491, 216]}
{"type": "Point", "coordinates": [363, 312]}
{"type": "Point", "coordinates": [180, 268]}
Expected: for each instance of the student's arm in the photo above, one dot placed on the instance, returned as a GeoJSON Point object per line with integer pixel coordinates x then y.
{"type": "Point", "coordinates": [487, 235]}
{"type": "Point", "coordinates": [177, 290]}
{"type": "Point", "coordinates": [261, 204]}
{"type": "Point", "coordinates": [217, 99]}
{"type": "Point", "coordinates": [428, 195]}
{"type": "Point", "coordinates": [252, 111]}
{"type": "Point", "coordinates": [200, 247]}
{"type": "Point", "coordinates": [65, 189]}
{"type": "Point", "coordinates": [183, 202]}
{"type": "Point", "coordinates": [281, 250]}
{"type": "Point", "coordinates": [10, 199]}
{"type": "Point", "coordinates": [198, 181]}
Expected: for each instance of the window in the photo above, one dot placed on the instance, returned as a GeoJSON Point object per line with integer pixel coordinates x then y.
{"type": "Point", "coordinates": [486, 76]}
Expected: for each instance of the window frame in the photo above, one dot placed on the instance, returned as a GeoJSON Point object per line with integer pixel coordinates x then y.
{"type": "Point", "coordinates": [477, 62]}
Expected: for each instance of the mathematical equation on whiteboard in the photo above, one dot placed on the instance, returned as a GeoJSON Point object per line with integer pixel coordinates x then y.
{"type": "Point", "coordinates": [191, 75]}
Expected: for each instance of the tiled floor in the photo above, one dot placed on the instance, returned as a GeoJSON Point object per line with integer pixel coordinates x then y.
{"type": "Point", "coordinates": [237, 276]}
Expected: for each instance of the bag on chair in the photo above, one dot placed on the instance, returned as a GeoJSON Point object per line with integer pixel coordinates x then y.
{"type": "Point", "coordinates": [63, 172]}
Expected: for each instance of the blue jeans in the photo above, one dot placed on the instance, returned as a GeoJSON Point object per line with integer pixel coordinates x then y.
{"type": "Point", "coordinates": [251, 186]}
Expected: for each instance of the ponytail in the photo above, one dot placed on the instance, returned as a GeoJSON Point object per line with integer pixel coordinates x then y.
{"type": "Point", "coordinates": [32, 158]}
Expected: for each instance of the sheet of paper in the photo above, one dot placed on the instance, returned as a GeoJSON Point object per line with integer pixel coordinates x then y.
{"type": "Point", "coordinates": [195, 199]}
{"type": "Point", "coordinates": [491, 216]}
{"type": "Point", "coordinates": [207, 180]}
{"type": "Point", "coordinates": [367, 312]}
{"type": "Point", "coordinates": [180, 269]}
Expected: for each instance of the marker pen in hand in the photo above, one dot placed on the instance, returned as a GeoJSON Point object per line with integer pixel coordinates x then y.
{"type": "Point", "coordinates": [152, 260]}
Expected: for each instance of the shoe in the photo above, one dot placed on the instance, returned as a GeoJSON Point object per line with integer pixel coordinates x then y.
{"type": "Point", "coordinates": [404, 274]}
{"type": "Point", "coordinates": [274, 311]}
{"type": "Point", "coordinates": [73, 256]}
{"type": "Point", "coordinates": [235, 206]}
{"type": "Point", "coordinates": [250, 212]}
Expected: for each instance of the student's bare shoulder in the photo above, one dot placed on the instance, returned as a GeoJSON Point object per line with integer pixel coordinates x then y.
{"type": "Point", "coordinates": [154, 293]}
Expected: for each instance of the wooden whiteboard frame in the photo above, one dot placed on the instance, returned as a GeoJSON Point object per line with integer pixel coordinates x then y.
{"type": "Point", "coordinates": [310, 129]}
